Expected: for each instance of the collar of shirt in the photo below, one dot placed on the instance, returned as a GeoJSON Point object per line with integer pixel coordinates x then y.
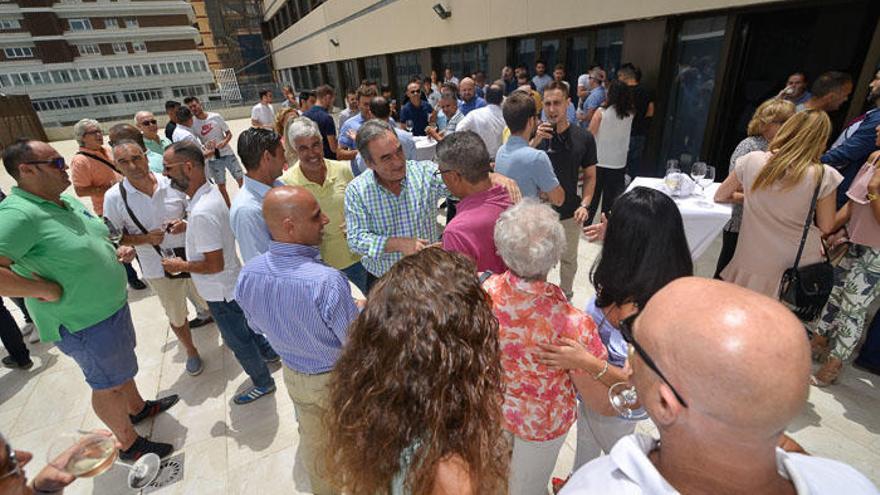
{"type": "Point", "coordinates": [475, 200]}
{"type": "Point", "coordinates": [257, 188]}
{"type": "Point", "coordinates": [291, 250]}
{"type": "Point", "coordinates": [534, 287]}
{"type": "Point", "coordinates": [187, 129]}
{"type": "Point", "coordinates": [33, 198]}
{"type": "Point", "coordinates": [160, 184]}
{"type": "Point", "coordinates": [375, 181]}
{"type": "Point", "coordinates": [205, 189]}
{"type": "Point", "coordinates": [298, 177]}
{"type": "Point", "coordinates": [516, 142]}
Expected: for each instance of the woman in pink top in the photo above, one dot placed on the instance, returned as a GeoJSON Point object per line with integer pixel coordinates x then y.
{"type": "Point", "coordinates": [539, 401]}
{"type": "Point", "coordinates": [843, 319]}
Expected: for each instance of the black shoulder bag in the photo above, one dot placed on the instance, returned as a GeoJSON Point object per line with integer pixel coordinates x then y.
{"type": "Point", "coordinates": [180, 252]}
{"type": "Point", "coordinates": [100, 159]}
{"type": "Point", "coordinates": [806, 288]}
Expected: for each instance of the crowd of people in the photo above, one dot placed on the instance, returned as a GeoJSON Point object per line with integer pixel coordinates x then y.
{"type": "Point", "coordinates": [457, 362]}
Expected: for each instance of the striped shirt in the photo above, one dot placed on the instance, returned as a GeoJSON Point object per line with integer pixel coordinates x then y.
{"type": "Point", "coordinates": [373, 214]}
{"type": "Point", "coordinates": [302, 306]}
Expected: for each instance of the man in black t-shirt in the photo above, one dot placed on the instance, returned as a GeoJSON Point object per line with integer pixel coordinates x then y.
{"type": "Point", "coordinates": [171, 107]}
{"type": "Point", "coordinates": [630, 75]}
{"type": "Point", "coordinates": [572, 150]}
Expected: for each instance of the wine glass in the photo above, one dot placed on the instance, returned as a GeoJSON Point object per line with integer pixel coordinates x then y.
{"type": "Point", "coordinates": [166, 254]}
{"type": "Point", "coordinates": [550, 148]}
{"type": "Point", "coordinates": [672, 179]}
{"type": "Point", "coordinates": [698, 171]}
{"type": "Point", "coordinates": [114, 233]}
{"type": "Point", "coordinates": [409, 125]}
{"type": "Point", "coordinates": [86, 454]}
{"type": "Point", "coordinates": [625, 400]}
{"type": "Point", "coordinates": [704, 182]}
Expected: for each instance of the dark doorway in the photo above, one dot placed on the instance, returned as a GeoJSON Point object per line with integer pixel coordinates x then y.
{"type": "Point", "coordinates": [771, 44]}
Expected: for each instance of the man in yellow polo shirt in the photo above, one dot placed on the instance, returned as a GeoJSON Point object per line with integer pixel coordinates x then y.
{"type": "Point", "coordinates": [56, 253]}
{"type": "Point", "coordinates": [326, 180]}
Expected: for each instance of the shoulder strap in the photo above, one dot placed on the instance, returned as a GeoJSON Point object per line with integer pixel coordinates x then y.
{"type": "Point", "coordinates": [809, 220]}
{"type": "Point", "coordinates": [134, 218]}
{"type": "Point", "coordinates": [100, 159]}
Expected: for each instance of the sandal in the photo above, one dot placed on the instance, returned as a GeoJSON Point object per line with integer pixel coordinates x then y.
{"type": "Point", "coordinates": [828, 373]}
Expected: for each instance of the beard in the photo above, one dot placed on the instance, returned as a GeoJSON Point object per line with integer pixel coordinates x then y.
{"type": "Point", "coordinates": [874, 95]}
{"type": "Point", "coordinates": [181, 185]}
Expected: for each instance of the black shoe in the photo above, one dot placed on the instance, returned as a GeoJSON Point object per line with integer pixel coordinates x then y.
{"type": "Point", "coordinates": [200, 322]}
{"type": "Point", "coordinates": [9, 362]}
{"type": "Point", "coordinates": [137, 284]}
{"type": "Point", "coordinates": [143, 446]}
{"type": "Point", "coordinates": [154, 407]}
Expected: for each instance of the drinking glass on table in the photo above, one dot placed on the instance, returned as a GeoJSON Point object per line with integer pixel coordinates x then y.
{"type": "Point", "coordinates": [704, 180]}
{"type": "Point", "coordinates": [86, 454]}
{"type": "Point", "coordinates": [672, 179]}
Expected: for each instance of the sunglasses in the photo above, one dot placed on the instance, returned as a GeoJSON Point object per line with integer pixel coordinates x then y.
{"type": "Point", "coordinates": [149, 122]}
{"type": "Point", "coordinates": [12, 467]}
{"type": "Point", "coordinates": [626, 329]}
{"type": "Point", "coordinates": [58, 163]}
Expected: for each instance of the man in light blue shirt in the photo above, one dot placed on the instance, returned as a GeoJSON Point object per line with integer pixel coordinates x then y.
{"type": "Point", "coordinates": [263, 157]}
{"type": "Point", "coordinates": [541, 77]}
{"type": "Point", "coordinates": [381, 109]}
{"type": "Point", "coordinates": [346, 148]}
{"type": "Point", "coordinates": [596, 97]}
{"type": "Point", "coordinates": [469, 98]}
{"type": "Point", "coordinates": [529, 167]}
{"type": "Point", "coordinates": [304, 308]}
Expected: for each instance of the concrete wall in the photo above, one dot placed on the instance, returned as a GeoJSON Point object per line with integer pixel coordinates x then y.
{"type": "Point", "coordinates": [65, 133]}
{"type": "Point", "coordinates": [403, 25]}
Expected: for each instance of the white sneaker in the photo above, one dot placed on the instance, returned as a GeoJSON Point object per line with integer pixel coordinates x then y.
{"type": "Point", "coordinates": [27, 328]}
{"type": "Point", "coordinates": [34, 336]}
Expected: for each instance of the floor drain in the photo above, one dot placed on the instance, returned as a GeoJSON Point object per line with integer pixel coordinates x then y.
{"type": "Point", "coordinates": [171, 471]}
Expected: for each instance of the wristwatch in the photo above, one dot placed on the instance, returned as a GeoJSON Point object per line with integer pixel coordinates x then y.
{"type": "Point", "coordinates": [871, 196]}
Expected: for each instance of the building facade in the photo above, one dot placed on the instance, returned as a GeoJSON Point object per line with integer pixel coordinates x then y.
{"type": "Point", "coordinates": [707, 63]}
{"type": "Point", "coordinates": [100, 59]}
{"type": "Point", "coordinates": [233, 39]}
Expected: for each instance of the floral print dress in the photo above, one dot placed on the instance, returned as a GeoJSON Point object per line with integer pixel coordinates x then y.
{"type": "Point", "coordinates": [539, 401]}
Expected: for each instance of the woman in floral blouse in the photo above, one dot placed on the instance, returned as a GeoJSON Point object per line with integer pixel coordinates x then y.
{"type": "Point", "coordinates": [539, 403]}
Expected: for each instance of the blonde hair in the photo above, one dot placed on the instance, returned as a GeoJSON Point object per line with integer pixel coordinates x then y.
{"type": "Point", "coordinates": [282, 117]}
{"type": "Point", "coordinates": [796, 147]}
{"type": "Point", "coordinates": [286, 120]}
{"type": "Point", "coordinates": [773, 110]}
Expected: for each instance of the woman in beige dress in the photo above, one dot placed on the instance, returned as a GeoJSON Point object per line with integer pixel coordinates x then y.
{"type": "Point", "coordinates": [778, 186]}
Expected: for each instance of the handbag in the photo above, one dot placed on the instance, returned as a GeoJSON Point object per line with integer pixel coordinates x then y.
{"type": "Point", "coordinates": [109, 165]}
{"type": "Point", "coordinates": [806, 288]}
{"type": "Point", "coordinates": [180, 252]}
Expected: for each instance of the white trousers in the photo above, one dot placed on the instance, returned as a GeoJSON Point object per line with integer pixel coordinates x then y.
{"type": "Point", "coordinates": [532, 465]}
{"type": "Point", "coordinates": [597, 434]}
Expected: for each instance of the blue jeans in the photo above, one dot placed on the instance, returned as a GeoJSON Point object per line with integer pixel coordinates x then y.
{"type": "Point", "coordinates": [357, 274]}
{"type": "Point", "coordinates": [241, 340]}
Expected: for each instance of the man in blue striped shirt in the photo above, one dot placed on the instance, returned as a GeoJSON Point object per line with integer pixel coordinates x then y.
{"type": "Point", "coordinates": [303, 307]}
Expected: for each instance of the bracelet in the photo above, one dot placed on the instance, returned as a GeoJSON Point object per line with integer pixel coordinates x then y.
{"type": "Point", "coordinates": [600, 374]}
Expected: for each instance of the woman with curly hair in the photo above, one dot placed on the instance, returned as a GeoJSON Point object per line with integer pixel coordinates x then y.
{"type": "Point", "coordinates": [420, 384]}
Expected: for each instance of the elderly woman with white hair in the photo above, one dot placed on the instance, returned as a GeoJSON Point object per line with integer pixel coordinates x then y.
{"type": "Point", "coordinates": [326, 180]}
{"type": "Point", "coordinates": [539, 402]}
{"type": "Point", "coordinates": [93, 172]}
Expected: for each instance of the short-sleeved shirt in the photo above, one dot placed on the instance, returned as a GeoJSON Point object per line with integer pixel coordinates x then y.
{"type": "Point", "coordinates": [158, 146]}
{"type": "Point", "coordinates": [184, 133]}
{"type": "Point", "coordinates": [373, 214]}
{"type": "Point", "coordinates": [264, 114]}
{"type": "Point", "coordinates": [89, 172]}
{"type": "Point", "coordinates": [863, 227]}
{"type": "Point", "coordinates": [213, 128]}
{"type": "Point", "coordinates": [68, 245]}
{"type": "Point", "coordinates": [349, 129]}
{"type": "Point", "coordinates": [152, 212]}
{"type": "Point", "coordinates": [642, 100]}
{"type": "Point", "coordinates": [406, 142]}
{"type": "Point", "coordinates": [488, 123]}
{"type": "Point", "coordinates": [595, 99]}
{"type": "Point", "coordinates": [331, 198]}
{"type": "Point", "coordinates": [246, 218]}
{"type": "Point", "coordinates": [573, 151]}
{"type": "Point", "coordinates": [471, 232]}
{"type": "Point", "coordinates": [326, 125]}
{"type": "Point", "coordinates": [530, 168]}
{"type": "Point", "coordinates": [539, 401]}
{"type": "Point", "coordinates": [208, 230]}
{"type": "Point", "coordinates": [418, 115]}
{"type": "Point", "coordinates": [449, 124]}
{"type": "Point", "coordinates": [155, 161]}
{"type": "Point", "coordinates": [467, 107]}
{"type": "Point", "coordinates": [540, 82]}
{"type": "Point", "coordinates": [169, 129]}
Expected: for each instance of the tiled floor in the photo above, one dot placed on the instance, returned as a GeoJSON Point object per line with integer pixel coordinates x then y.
{"type": "Point", "coordinates": [250, 449]}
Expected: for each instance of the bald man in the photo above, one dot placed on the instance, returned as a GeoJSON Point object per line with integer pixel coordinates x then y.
{"type": "Point", "coordinates": [303, 307]}
{"type": "Point", "coordinates": [721, 393]}
{"type": "Point", "coordinates": [469, 98]}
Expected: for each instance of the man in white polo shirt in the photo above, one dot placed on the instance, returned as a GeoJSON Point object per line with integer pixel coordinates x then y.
{"type": "Point", "coordinates": [151, 212]}
{"type": "Point", "coordinates": [215, 135]}
{"type": "Point", "coordinates": [262, 114]}
{"type": "Point", "coordinates": [184, 131]}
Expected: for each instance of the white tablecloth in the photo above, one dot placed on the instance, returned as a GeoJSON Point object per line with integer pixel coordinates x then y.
{"type": "Point", "coordinates": [701, 224]}
{"type": "Point", "coordinates": [424, 147]}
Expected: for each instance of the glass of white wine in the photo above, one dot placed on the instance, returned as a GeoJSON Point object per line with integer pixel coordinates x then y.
{"type": "Point", "coordinates": [625, 400]}
{"type": "Point", "coordinates": [87, 454]}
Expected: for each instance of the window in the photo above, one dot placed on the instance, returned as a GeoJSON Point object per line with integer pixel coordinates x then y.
{"type": "Point", "coordinates": [79, 24]}
{"type": "Point", "coordinates": [609, 49]}
{"type": "Point", "coordinates": [465, 59]}
{"type": "Point", "coordinates": [47, 104]}
{"type": "Point", "coordinates": [60, 76]}
{"type": "Point", "coordinates": [131, 22]}
{"type": "Point", "coordinates": [111, 23]}
{"type": "Point", "coordinates": [116, 72]}
{"type": "Point", "coordinates": [372, 69]}
{"type": "Point", "coordinates": [406, 65]}
{"type": "Point", "coordinates": [203, 66]}
{"type": "Point", "coordinates": [105, 98]}
{"type": "Point", "coordinates": [184, 91]}
{"type": "Point", "coordinates": [143, 95]}
{"type": "Point", "coordinates": [19, 52]}
{"type": "Point", "coordinates": [9, 24]}
{"type": "Point", "coordinates": [88, 49]}
{"type": "Point", "coordinates": [98, 73]}
{"type": "Point", "coordinates": [21, 79]}
{"type": "Point", "coordinates": [350, 77]}
{"type": "Point", "coordinates": [120, 48]}
{"type": "Point", "coordinates": [139, 46]}
{"type": "Point", "coordinates": [4, 81]}
{"type": "Point", "coordinates": [180, 67]}
{"type": "Point", "coordinates": [40, 78]}
{"type": "Point", "coordinates": [525, 53]}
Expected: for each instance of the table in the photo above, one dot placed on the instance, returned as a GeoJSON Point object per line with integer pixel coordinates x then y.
{"type": "Point", "coordinates": [701, 224]}
{"type": "Point", "coordinates": [424, 148]}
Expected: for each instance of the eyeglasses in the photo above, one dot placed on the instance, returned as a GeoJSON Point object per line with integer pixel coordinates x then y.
{"type": "Point", "coordinates": [12, 468]}
{"type": "Point", "coordinates": [626, 329]}
{"type": "Point", "coordinates": [95, 131]}
{"type": "Point", "coordinates": [149, 122]}
{"type": "Point", "coordinates": [439, 173]}
{"type": "Point", "coordinates": [58, 163]}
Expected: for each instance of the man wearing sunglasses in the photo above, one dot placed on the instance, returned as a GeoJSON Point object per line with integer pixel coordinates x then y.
{"type": "Point", "coordinates": [148, 125]}
{"type": "Point", "coordinates": [721, 380]}
{"type": "Point", "coordinates": [56, 254]}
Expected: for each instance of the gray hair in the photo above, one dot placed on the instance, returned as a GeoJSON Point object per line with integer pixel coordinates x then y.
{"type": "Point", "coordinates": [302, 127]}
{"type": "Point", "coordinates": [530, 239]}
{"type": "Point", "coordinates": [465, 152]}
{"type": "Point", "coordinates": [80, 128]}
{"type": "Point", "coordinates": [370, 131]}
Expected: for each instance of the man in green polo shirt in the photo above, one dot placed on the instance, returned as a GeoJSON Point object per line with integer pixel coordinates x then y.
{"type": "Point", "coordinates": [57, 255]}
